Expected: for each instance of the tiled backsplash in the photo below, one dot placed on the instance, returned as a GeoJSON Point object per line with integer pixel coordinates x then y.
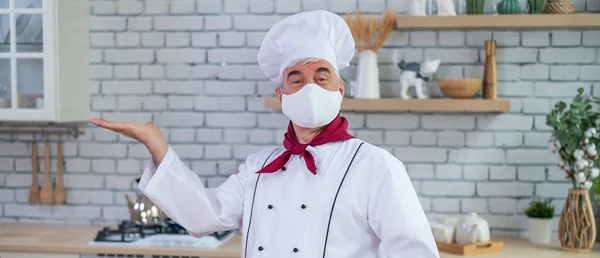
{"type": "Point", "coordinates": [190, 67]}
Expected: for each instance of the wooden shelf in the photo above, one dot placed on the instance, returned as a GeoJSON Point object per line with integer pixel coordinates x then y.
{"type": "Point", "coordinates": [513, 21]}
{"type": "Point", "coordinates": [396, 104]}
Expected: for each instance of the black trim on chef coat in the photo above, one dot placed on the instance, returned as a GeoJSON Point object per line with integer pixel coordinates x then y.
{"type": "Point", "coordinates": [252, 207]}
{"type": "Point", "coordinates": [303, 206]}
{"type": "Point", "coordinates": [336, 195]}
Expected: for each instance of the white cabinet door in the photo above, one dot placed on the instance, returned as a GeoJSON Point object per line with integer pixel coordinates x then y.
{"type": "Point", "coordinates": [25, 60]}
{"type": "Point", "coordinates": [36, 255]}
{"type": "Point", "coordinates": [40, 41]}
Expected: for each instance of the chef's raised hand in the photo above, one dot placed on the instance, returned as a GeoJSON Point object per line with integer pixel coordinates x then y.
{"type": "Point", "coordinates": [147, 134]}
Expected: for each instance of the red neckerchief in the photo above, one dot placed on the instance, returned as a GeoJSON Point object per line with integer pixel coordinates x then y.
{"type": "Point", "coordinates": [335, 131]}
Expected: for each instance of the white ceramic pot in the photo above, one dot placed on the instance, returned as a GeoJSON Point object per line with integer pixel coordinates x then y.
{"type": "Point", "coordinates": [540, 230]}
{"type": "Point", "coordinates": [472, 229]}
{"type": "Point", "coordinates": [367, 75]}
{"type": "Point", "coordinates": [442, 233]}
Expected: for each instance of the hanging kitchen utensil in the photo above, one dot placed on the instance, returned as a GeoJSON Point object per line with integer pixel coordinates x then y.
{"type": "Point", "coordinates": [60, 194]}
{"type": "Point", "coordinates": [47, 194]}
{"type": "Point", "coordinates": [34, 191]}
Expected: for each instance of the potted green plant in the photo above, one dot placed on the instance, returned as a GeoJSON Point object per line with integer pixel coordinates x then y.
{"type": "Point", "coordinates": [576, 140]}
{"type": "Point", "coordinates": [535, 6]}
{"type": "Point", "coordinates": [539, 214]}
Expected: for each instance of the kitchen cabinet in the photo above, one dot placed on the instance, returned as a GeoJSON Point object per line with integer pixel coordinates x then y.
{"type": "Point", "coordinates": [44, 60]}
{"type": "Point", "coordinates": [36, 255]}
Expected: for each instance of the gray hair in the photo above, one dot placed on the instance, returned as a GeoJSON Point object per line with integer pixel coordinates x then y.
{"type": "Point", "coordinates": [305, 61]}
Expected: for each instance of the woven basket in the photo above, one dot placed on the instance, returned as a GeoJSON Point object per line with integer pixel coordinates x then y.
{"type": "Point", "coordinates": [559, 7]}
{"type": "Point", "coordinates": [460, 88]}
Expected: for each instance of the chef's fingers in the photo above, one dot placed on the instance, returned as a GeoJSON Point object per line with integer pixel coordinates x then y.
{"type": "Point", "coordinates": [139, 132]}
{"type": "Point", "coordinates": [119, 127]}
{"type": "Point", "coordinates": [103, 123]}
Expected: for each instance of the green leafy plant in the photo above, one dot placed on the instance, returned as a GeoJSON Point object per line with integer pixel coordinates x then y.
{"type": "Point", "coordinates": [540, 209]}
{"type": "Point", "coordinates": [576, 138]}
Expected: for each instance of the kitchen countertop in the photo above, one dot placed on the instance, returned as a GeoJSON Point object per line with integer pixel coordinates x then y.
{"type": "Point", "coordinates": [54, 238]}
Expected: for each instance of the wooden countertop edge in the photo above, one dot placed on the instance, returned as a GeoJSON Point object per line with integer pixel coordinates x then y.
{"type": "Point", "coordinates": [74, 239]}
{"type": "Point", "coordinates": [66, 239]}
{"type": "Point", "coordinates": [133, 250]}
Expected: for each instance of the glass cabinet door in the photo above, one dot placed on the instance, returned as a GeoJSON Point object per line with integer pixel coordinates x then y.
{"type": "Point", "coordinates": [22, 54]}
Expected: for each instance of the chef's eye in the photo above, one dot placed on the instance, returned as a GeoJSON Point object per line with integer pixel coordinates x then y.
{"type": "Point", "coordinates": [296, 82]}
{"type": "Point", "coordinates": [322, 79]}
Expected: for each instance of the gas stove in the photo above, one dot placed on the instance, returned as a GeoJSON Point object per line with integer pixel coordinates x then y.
{"type": "Point", "coordinates": [167, 234]}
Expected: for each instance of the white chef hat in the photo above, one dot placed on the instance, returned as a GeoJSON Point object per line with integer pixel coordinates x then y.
{"type": "Point", "coordinates": [318, 34]}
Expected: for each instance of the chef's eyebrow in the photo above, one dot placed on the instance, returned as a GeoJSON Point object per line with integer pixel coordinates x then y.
{"type": "Point", "coordinates": [295, 72]}
{"type": "Point", "coordinates": [323, 69]}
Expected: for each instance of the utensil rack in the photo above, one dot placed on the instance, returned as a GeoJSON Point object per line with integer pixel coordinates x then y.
{"type": "Point", "coordinates": [74, 132]}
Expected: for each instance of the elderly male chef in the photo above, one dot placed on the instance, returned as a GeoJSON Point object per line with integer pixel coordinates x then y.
{"type": "Point", "coordinates": [322, 193]}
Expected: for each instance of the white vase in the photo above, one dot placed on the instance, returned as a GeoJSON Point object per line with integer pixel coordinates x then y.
{"type": "Point", "coordinates": [540, 230]}
{"type": "Point", "coordinates": [367, 75]}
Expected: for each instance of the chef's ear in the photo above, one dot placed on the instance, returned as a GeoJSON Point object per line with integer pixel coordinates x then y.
{"type": "Point", "coordinates": [278, 93]}
{"type": "Point", "coordinates": [342, 87]}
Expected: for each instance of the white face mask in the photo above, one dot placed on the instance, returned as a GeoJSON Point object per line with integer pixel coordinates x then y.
{"type": "Point", "coordinates": [312, 106]}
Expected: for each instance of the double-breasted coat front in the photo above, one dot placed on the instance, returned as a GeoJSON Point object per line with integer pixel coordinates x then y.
{"type": "Point", "coordinates": [360, 198]}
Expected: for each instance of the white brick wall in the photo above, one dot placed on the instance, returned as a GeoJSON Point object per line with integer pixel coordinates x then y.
{"type": "Point", "coordinates": [189, 66]}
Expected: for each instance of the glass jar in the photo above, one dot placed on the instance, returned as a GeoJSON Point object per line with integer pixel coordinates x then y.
{"type": "Point", "coordinates": [431, 8]}
{"type": "Point", "coordinates": [491, 6]}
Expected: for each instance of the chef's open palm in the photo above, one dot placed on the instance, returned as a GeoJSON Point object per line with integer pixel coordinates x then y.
{"type": "Point", "coordinates": [147, 134]}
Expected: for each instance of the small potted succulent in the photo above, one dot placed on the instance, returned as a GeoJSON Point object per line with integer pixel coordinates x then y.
{"type": "Point", "coordinates": [539, 214]}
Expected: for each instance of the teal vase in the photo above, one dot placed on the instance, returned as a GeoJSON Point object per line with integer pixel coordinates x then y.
{"type": "Point", "coordinates": [509, 7]}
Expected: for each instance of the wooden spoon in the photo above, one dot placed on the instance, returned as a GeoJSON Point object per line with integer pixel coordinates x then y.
{"type": "Point", "coordinates": [47, 194]}
{"type": "Point", "coordinates": [34, 191]}
{"type": "Point", "coordinates": [59, 192]}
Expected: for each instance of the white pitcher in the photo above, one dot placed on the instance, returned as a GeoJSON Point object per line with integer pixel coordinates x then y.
{"type": "Point", "coordinates": [367, 75]}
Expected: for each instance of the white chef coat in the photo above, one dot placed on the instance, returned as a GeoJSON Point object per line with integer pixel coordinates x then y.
{"type": "Point", "coordinates": [289, 213]}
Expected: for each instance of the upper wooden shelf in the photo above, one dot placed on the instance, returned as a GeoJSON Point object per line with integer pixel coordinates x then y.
{"type": "Point", "coordinates": [513, 21]}
{"type": "Point", "coordinates": [396, 104]}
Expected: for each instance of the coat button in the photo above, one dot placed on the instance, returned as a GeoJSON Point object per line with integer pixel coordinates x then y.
{"type": "Point", "coordinates": [283, 169]}
{"type": "Point", "coordinates": [260, 248]}
{"type": "Point", "coordinates": [303, 206]}
{"type": "Point", "coordinates": [295, 250]}
{"type": "Point", "coordinates": [270, 206]}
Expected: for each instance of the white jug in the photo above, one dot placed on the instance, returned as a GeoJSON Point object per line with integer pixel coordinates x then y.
{"type": "Point", "coordinates": [367, 75]}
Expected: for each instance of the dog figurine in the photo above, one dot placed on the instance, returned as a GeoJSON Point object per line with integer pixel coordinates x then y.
{"type": "Point", "coordinates": [415, 74]}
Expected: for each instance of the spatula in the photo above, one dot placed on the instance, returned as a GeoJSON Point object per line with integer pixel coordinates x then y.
{"type": "Point", "coordinates": [34, 191]}
{"type": "Point", "coordinates": [47, 194]}
{"type": "Point", "coordinates": [59, 192]}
